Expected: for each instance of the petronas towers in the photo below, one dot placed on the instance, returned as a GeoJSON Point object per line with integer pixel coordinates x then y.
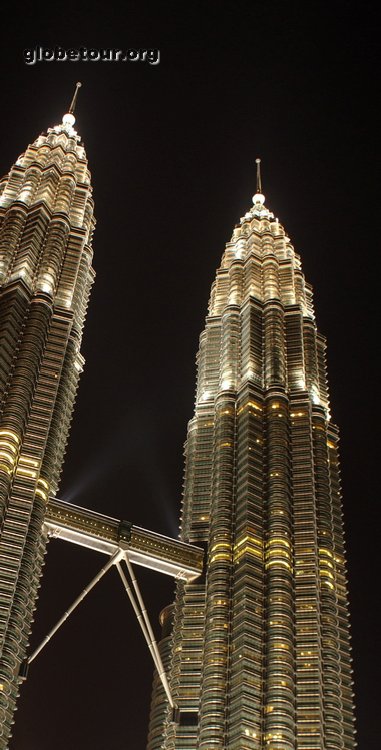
{"type": "Point", "coordinates": [256, 650]}
{"type": "Point", "coordinates": [46, 224]}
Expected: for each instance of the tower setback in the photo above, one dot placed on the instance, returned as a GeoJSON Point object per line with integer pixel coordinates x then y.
{"type": "Point", "coordinates": [258, 650]}
{"type": "Point", "coordinates": [46, 225]}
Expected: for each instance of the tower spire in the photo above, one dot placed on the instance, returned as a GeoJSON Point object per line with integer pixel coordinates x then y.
{"type": "Point", "coordinates": [259, 181]}
{"type": "Point", "coordinates": [258, 197]}
{"type": "Point", "coordinates": [74, 99]}
{"type": "Point", "coordinates": [68, 120]}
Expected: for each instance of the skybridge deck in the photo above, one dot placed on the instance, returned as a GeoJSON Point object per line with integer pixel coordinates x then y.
{"type": "Point", "coordinates": [108, 535]}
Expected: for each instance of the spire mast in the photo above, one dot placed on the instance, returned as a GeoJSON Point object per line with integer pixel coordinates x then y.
{"type": "Point", "coordinates": [259, 181]}
{"type": "Point", "coordinates": [258, 197]}
{"type": "Point", "coordinates": [74, 99]}
{"type": "Point", "coordinates": [68, 120]}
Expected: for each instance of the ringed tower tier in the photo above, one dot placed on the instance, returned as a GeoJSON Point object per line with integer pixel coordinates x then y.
{"type": "Point", "coordinates": [258, 650]}
{"type": "Point", "coordinates": [46, 226]}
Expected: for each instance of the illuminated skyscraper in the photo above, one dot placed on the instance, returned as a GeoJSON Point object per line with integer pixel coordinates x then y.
{"type": "Point", "coordinates": [258, 651]}
{"type": "Point", "coordinates": [46, 224]}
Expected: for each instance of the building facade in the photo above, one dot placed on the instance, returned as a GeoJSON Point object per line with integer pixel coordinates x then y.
{"type": "Point", "coordinates": [258, 650]}
{"type": "Point", "coordinates": [46, 226]}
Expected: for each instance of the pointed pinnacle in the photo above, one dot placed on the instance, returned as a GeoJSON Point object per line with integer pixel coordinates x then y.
{"type": "Point", "coordinates": [74, 99]}
{"type": "Point", "coordinates": [259, 181]}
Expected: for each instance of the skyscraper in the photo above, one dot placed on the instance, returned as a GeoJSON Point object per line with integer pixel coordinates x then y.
{"type": "Point", "coordinates": [46, 226]}
{"type": "Point", "coordinates": [258, 650]}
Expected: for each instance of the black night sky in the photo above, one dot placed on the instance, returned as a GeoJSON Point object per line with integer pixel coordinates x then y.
{"type": "Point", "coordinates": [172, 149]}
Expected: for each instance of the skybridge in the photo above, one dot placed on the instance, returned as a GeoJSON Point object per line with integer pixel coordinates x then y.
{"type": "Point", "coordinates": [108, 535]}
{"type": "Point", "coordinates": [124, 544]}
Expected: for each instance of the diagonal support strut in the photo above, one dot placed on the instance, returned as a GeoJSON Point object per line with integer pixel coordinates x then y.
{"type": "Point", "coordinates": [112, 561]}
{"type": "Point", "coordinates": [137, 605]}
{"type": "Point", "coordinates": [143, 619]}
